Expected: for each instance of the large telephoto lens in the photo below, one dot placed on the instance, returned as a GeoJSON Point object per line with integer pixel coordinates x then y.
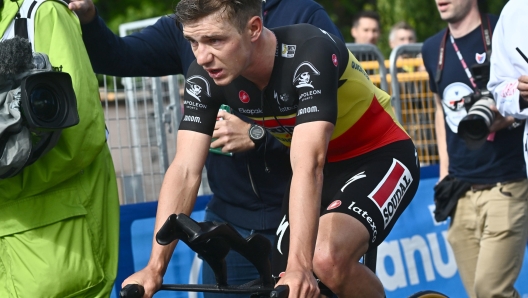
{"type": "Point", "coordinates": [474, 127]}
{"type": "Point", "coordinates": [44, 104]}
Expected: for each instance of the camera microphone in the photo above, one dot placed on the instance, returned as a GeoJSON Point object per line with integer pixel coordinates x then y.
{"type": "Point", "coordinates": [16, 56]}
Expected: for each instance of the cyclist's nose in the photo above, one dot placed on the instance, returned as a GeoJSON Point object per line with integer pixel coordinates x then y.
{"type": "Point", "coordinates": [203, 55]}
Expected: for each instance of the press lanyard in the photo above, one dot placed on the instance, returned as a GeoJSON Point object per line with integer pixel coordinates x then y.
{"type": "Point", "coordinates": [464, 65]}
{"type": "Point", "coordinates": [486, 37]}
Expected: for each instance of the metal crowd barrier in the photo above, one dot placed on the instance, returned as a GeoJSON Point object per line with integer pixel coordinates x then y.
{"type": "Point", "coordinates": [372, 62]}
{"type": "Point", "coordinates": [142, 116]}
{"type": "Point", "coordinates": [413, 100]}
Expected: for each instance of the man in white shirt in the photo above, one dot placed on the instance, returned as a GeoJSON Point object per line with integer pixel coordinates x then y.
{"type": "Point", "coordinates": [509, 69]}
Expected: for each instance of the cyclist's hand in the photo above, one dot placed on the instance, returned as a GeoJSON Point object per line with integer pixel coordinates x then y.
{"type": "Point", "coordinates": [149, 279]}
{"type": "Point", "coordinates": [85, 10]}
{"type": "Point", "coordinates": [231, 133]}
{"type": "Point", "coordinates": [302, 284]}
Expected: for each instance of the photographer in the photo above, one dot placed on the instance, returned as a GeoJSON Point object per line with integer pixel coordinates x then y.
{"type": "Point", "coordinates": [509, 69]}
{"type": "Point", "coordinates": [59, 217]}
{"type": "Point", "coordinates": [489, 188]}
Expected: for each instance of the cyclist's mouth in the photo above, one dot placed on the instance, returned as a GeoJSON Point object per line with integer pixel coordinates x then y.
{"type": "Point", "coordinates": [214, 72]}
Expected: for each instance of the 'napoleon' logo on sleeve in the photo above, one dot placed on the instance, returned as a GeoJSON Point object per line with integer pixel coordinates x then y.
{"type": "Point", "coordinates": [303, 74]}
{"type": "Point", "coordinates": [196, 85]}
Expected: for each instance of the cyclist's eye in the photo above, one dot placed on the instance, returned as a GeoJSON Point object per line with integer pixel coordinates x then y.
{"type": "Point", "coordinates": [215, 41]}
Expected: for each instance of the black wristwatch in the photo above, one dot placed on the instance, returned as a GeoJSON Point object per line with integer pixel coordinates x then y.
{"type": "Point", "coordinates": [257, 134]}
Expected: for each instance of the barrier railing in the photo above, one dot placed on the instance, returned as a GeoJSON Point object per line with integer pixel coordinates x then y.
{"type": "Point", "coordinates": [413, 100]}
{"type": "Point", "coordinates": [142, 117]}
{"type": "Point", "coordinates": [372, 62]}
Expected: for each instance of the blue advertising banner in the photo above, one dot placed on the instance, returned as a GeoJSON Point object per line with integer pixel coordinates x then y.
{"type": "Point", "coordinates": [415, 256]}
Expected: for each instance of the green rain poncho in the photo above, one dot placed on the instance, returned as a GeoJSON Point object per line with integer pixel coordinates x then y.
{"type": "Point", "coordinates": [59, 218]}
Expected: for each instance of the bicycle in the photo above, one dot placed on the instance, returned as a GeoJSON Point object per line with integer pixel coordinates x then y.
{"type": "Point", "coordinates": [213, 240]}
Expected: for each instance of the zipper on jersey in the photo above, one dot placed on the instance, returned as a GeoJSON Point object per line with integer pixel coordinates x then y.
{"type": "Point", "coordinates": [262, 94]}
{"type": "Point", "coordinates": [251, 178]}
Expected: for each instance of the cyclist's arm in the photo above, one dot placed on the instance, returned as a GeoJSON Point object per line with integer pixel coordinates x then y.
{"type": "Point", "coordinates": [178, 195]}
{"type": "Point", "coordinates": [182, 179]}
{"type": "Point", "coordinates": [441, 137]}
{"type": "Point", "coordinates": [308, 152]}
{"type": "Point", "coordinates": [180, 187]}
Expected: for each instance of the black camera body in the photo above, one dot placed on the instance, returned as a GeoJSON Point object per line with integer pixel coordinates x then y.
{"type": "Point", "coordinates": [474, 128]}
{"type": "Point", "coordinates": [37, 101]}
{"type": "Point", "coordinates": [47, 97]}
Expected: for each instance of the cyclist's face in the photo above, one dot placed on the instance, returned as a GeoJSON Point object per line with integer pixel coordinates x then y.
{"type": "Point", "coordinates": [218, 47]}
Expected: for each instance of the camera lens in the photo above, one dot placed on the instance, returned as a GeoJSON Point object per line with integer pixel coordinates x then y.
{"type": "Point", "coordinates": [44, 104]}
{"type": "Point", "coordinates": [473, 127]}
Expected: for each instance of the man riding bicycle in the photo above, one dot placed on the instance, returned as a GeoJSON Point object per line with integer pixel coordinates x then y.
{"type": "Point", "coordinates": [354, 167]}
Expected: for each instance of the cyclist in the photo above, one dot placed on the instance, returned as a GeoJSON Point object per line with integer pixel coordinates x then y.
{"type": "Point", "coordinates": [304, 87]}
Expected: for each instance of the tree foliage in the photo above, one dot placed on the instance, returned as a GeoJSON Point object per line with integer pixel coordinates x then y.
{"type": "Point", "coordinates": [421, 14]}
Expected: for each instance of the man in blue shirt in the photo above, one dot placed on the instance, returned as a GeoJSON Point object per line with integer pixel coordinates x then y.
{"type": "Point", "coordinates": [488, 226]}
{"type": "Point", "coordinates": [248, 187]}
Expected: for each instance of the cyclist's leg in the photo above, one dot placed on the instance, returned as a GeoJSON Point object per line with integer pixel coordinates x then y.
{"type": "Point", "coordinates": [362, 198]}
{"type": "Point", "coordinates": [239, 269]}
{"type": "Point", "coordinates": [337, 253]}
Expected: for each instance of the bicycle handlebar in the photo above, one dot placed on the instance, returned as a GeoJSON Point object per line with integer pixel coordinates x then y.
{"type": "Point", "coordinates": [281, 291]}
{"type": "Point", "coordinates": [213, 241]}
{"type": "Point", "coordinates": [132, 291]}
{"type": "Point", "coordinates": [137, 291]}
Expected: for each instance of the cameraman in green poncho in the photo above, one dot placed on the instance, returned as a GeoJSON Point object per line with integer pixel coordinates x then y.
{"type": "Point", "coordinates": [59, 217]}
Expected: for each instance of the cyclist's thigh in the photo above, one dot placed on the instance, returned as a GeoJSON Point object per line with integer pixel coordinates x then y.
{"type": "Point", "coordinates": [373, 188]}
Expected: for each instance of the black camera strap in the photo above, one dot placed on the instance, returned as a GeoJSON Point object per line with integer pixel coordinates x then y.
{"type": "Point", "coordinates": [486, 38]}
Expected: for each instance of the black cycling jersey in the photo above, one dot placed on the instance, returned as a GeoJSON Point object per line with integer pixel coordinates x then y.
{"type": "Point", "coordinates": [314, 78]}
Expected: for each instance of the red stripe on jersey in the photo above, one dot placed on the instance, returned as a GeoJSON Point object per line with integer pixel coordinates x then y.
{"type": "Point", "coordinates": [273, 123]}
{"type": "Point", "coordinates": [373, 130]}
{"type": "Point", "coordinates": [384, 192]}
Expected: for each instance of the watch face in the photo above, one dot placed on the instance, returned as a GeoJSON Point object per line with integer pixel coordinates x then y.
{"type": "Point", "coordinates": [256, 132]}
